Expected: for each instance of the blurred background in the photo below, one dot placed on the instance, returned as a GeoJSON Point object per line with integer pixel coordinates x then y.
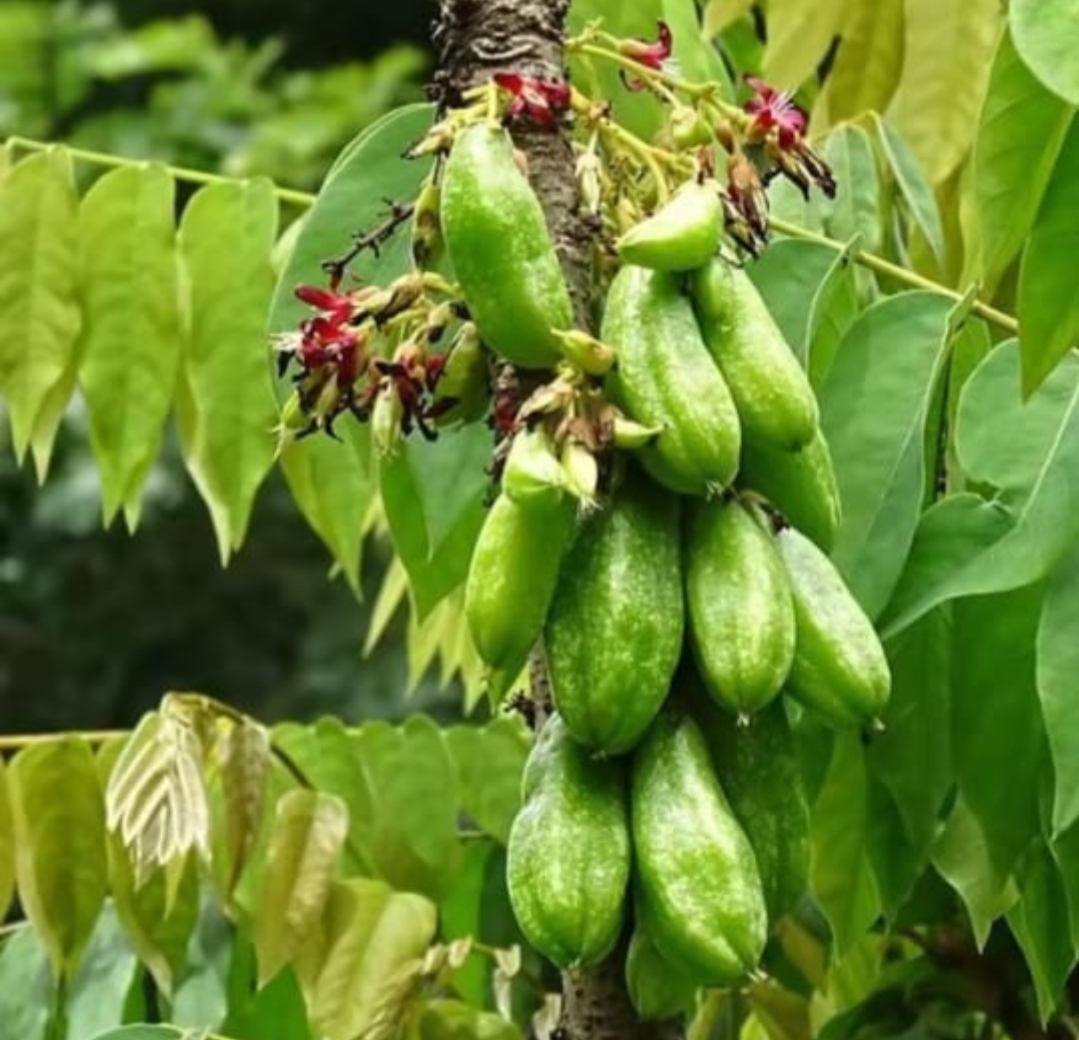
{"type": "Point", "coordinates": [95, 625]}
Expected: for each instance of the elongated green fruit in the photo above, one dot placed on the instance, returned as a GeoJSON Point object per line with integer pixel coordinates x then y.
{"type": "Point", "coordinates": [741, 616]}
{"type": "Point", "coordinates": [512, 577]}
{"type": "Point", "coordinates": [760, 775]}
{"type": "Point", "coordinates": [501, 252]}
{"type": "Point", "coordinates": [665, 377]}
{"type": "Point", "coordinates": [568, 857]}
{"type": "Point", "coordinates": [614, 630]}
{"type": "Point", "coordinates": [800, 484]}
{"type": "Point", "coordinates": [656, 988]}
{"type": "Point", "coordinates": [839, 665]}
{"type": "Point", "coordinates": [699, 890]}
{"type": "Point", "coordinates": [775, 400]}
{"type": "Point", "coordinates": [681, 235]}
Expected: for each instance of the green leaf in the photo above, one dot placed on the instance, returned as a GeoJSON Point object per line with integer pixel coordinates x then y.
{"type": "Point", "coordinates": [277, 1010]}
{"type": "Point", "coordinates": [789, 275]}
{"type": "Point", "coordinates": [948, 49]}
{"type": "Point", "coordinates": [226, 406]}
{"type": "Point", "coordinates": [914, 188]}
{"type": "Point", "coordinates": [334, 485]}
{"type": "Point", "coordinates": [874, 405]}
{"type": "Point", "coordinates": [896, 861]}
{"type": "Point", "coordinates": [414, 842]}
{"type": "Point", "coordinates": [799, 34]}
{"type": "Point", "coordinates": [98, 992]}
{"type": "Point", "coordinates": [244, 764]}
{"type": "Point", "coordinates": [60, 859]}
{"type": "Point", "coordinates": [326, 754]}
{"type": "Point", "coordinates": [374, 939]}
{"type": "Point", "coordinates": [1029, 451]}
{"type": "Point", "coordinates": [309, 833]}
{"type": "Point", "coordinates": [26, 986]}
{"type": "Point", "coordinates": [839, 872]}
{"type": "Point", "coordinates": [144, 1032]}
{"type": "Point", "coordinates": [996, 720]}
{"type": "Point", "coordinates": [868, 62]}
{"type": "Point", "coordinates": [39, 311]}
{"type": "Point", "coordinates": [693, 53]}
{"type": "Point", "coordinates": [201, 999]}
{"type": "Point", "coordinates": [1048, 307]}
{"type": "Point", "coordinates": [1043, 36]}
{"type": "Point", "coordinates": [460, 916]}
{"type": "Point", "coordinates": [7, 845]}
{"type": "Point", "coordinates": [351, 200]}
{"type": "Point", "coordinates": [834, 308]}
{"type": "Point", "coordinates": [452, 1020]}
{"type": "Point", "coordinates": [1058, 665]}
{"type": "Point", "coordinates": [912, 757]}
{"type": "Point", "coordinates": [433, 496]}
{"type": "Point", "coordinates": [131, 338]}
{"type": "Point", "coordinates": [489, 764]}
{"type": "Point", "coordinates": [1040, 924]}
{"type": "Point", "coordinates": [856, 207]}
{"type": "Point", "coordinates": [1021, 129]}
{"type": "Point", "coordinates": [718, 14]}
{"type": "Point", "coordinates": [961, 855]}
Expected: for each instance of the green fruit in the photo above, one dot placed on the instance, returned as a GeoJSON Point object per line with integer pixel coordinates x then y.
{"type": "Point", "coordinates": [800, 484]}
{"type": "Point", "coordinates": [741, 616]}
{"type": "Point", "coordinates": [775, 401]}
{"type": "Point", "coordinates": [532, 472]}
{"type": "Point", "coordinates": [665, 377]}
{"type": "Point", "coordinates": [614, 630]}
{"type": "Point", "coordinates": [839, 665]}
{"type": "Point", "coordinates": [759, 772]}
{"type": "Point", "coordinates": [699, 890]}
{"type": "Point", "coordinates": [656, 988]}
{"type": "Point", "coordinates": [681, 235]}
{"type": "Point", "coordinates": [569, 854]}
{"type": "Point", "coordinates": [501, 252]}
{"type": "Point", "coordinates": [512, 577]}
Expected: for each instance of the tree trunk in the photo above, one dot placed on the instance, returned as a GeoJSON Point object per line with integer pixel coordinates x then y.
{"type": "Point", "coordinates": [476, 38]}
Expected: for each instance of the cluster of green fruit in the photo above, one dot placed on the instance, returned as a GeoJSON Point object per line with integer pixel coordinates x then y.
{"type": "Point", "coordinates": [676, 608]}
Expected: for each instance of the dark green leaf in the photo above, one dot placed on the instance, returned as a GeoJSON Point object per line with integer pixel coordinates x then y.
{"type": "Point", "coordinates": [1039, 922]}
{"type": "Point", "coordinates": [874, 406]}
{"type": "Point", "coordinates": [1048, 306]}
{"type": "Point", "coordinates": [1020, 131]}
{"type": "Point", "coordinates": [334, 484]}
{"type": "Point", "coordinates": [1030, 452]}
{"type": "Point", "coordinates": [840, 876]}
{"type": "Point", "coordinates": [489, 764]}
{"type": "Point", "coordinates": [350, 201]}
{"type": "Point", "coordinates": [39, 311]}
{"type": "Point", "coordinates": [996, 723]}
{"type": "Point", "coordinates": [276, 1010]}
{"type": "Point", "coordinates": [1058, 666]}
{"type": "Point", "coordinates": [132, 335]}
{"type": "Point", "coordinates": [1043, 31]}
{"type": "Point", "coordinates": [414, 842]}
{"type": "Point", "coordinates": [897, 863]}
{"type": "Point", "coordinates": [60, 854]}
{"type": "Point", "coordinates": [226, 405]}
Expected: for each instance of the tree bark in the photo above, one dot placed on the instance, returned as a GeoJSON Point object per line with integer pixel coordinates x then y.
{"type": "Point", "coordinates": [476, 38]}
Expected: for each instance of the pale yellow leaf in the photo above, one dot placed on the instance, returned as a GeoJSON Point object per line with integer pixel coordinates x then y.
{"type": "Point", "coordinates": [799, 35]}
{"type": "Point", "coordinates": [948, 52]}
{"type": "Point", "coordinates": [869, 60]}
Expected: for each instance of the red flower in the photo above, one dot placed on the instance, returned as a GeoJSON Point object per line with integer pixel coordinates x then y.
{"type": "Point", "coordinates": [774, 110]}
{"type": "Point", "coordinates": [538, 98]}
{"type": "Point", "coordinates": [337, 307]}
{"type": "Point", "coordinates": [651, 54]}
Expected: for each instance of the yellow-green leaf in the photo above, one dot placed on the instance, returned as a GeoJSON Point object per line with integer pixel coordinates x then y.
{"type": "Point", "coordinates": [226, 404]}
{"type": "Point", "coordinates": [1021, 129]}
{"type": "Point", "coordinates": [131, 336]}
{"type": "Point", "coordinates": [718, 14]}
{"type": "Point", "coordinates": [948, 51]}
{"type": "Point", "coordinates": [799, 35]}
{"type": "Point", "coordinates": [39, 312]}
{"type": "Point", "coordinates": [333, 483]}
{"type": "Point", "coordinates": [868, 63]}
{"type": "Point", "coordinates": [374, 942]}
{"type": "Point", "coordinates": [245, 767]}
{"type": "Point", "coordinates": [7, 845]}
{"type": "Point", "coordinates": [60, 857]}
{"type": "Point", "coordinates": [309, 833]}
{"type": "Point", "coordinates": [1045, 35]}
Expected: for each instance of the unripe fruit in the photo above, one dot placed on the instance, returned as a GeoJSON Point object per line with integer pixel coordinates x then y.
{"type": "Point", "coordinates": [681, 235]}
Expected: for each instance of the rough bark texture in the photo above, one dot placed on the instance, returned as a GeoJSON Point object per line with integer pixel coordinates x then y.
{"type": "Point", "coordinates": [475, 39]}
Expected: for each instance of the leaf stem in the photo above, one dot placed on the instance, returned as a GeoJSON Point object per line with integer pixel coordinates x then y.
{"type": "Point", "coordinates": [19, 741]}
{"type": "Point", "coordinates": [291, 196]}
{"type": "Point", "coordinates": [1006, 322]}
